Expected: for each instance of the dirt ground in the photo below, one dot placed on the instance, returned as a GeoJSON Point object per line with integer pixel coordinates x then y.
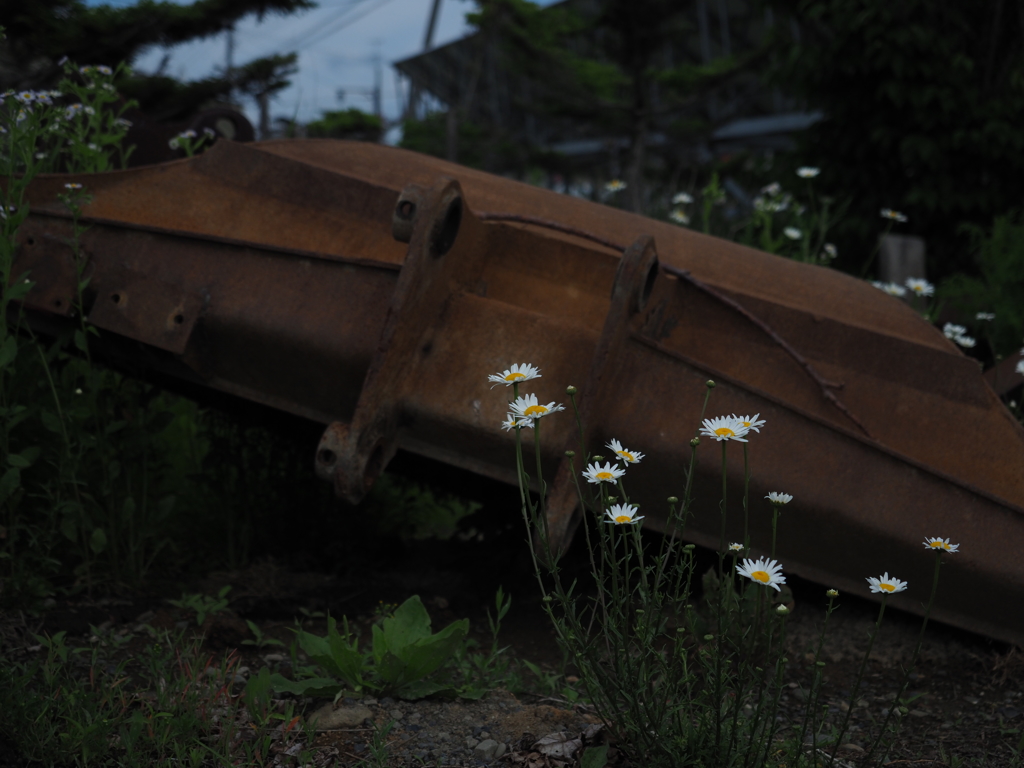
{"type": "Point", "coordinates": [968, 692]}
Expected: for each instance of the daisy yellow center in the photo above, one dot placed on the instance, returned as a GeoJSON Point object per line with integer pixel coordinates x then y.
{"type": "Point", "coordinates": [725, 432]}
{"type": "Point", "coordinates": [623, 519]}
{"type": "Point", "coordinates": [887, 587]}
{"type": "Point", "coordinates": [626, 455]}
{"type": "Point", "coordinates": [535, 410]}
{"type": "Point", "coordinates": [515, 376]}
{"type": "Point", "coordinates": [761, 576]}
{"type": "Point", "coordinates": [604, 476]}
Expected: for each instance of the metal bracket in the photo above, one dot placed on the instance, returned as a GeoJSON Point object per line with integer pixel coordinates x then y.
{"type": "Point", "coordinates": [632, 290]}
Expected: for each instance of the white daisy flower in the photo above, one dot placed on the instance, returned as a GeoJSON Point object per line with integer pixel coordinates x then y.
{"type": "Point", "coordinates": [920, 286]}
{"type": "Point", "coordinates": [724, 428]}
{"type": "Point", "coordinates": [607, 473]}
{"type": "Point", "coordinates": [615, 185]}
{"type": "Point", "coordinates": [985, 316]}
{"type": "Point", "coordinates": [830, 250]}
{"type": "Point", "coordinates": [516, 374]}
{"type": "Point", "coordinates": [889, 213]}
{"type": "Point", "coordinates": [833, 593]}
{"type": "Point", "coordinates": [623, 514]}
{"type": "Point", "coordinates": [72, 109]}
{"type": "Point", "coordinates": [682, 198]}
{"type": "Point", "coordinates": [1020, 367]}
{"type": "Point", "coordinates": [937, 543]}
{"type": "Point", "coordinates": [189, 134]}
{"type": "Point", "coordinates": [893, 289]}
{"type": "Point", "coordinates": [511, 422]}
{"type": "Point", "coordinates": [952, 330]}
{"type": "Point", "coordinates": [772, 189]}
{"type": "Point", "coordinates": [763, 571]}
{"type": "Point", "coordinates": [965, 341]}
{"type": "Point", "coordinates": [103, 69]}
{"type": "Point", "coordinates": [680, 217]}
{"type": "Point", "coordinates": [735, 547]}
{"type": "Point", "coordinates": [25, 97]}
{"type": "Point", "coordinates": [630, 457]}
{"type": "Point", "coordinates": [73, 185]}
{"type": "Point", "coordinates": [793, 233]}
{"type": "Point", "coordinates": [750, 422]}
{"type": "Point", "coordinates": [779, 498]}
{"type": "Point", "coordinates": [807, 172]}
{"type": "Point", "coordinates": [886, 585]}
{"type": "Point", "coordinates": [527, 407]}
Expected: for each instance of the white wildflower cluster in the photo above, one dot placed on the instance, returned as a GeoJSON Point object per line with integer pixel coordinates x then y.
{"type": "Point", "coordinates": [615, 185]}
{"type": "Point", "coordinates": [678, 214]}
{"type": "Point", "coordinates": [524, 410]}
{"type": "Point", "coordinates": [807, 172]}
{"type": "Point", "coordinates": [893, 289]}
{"type": "Point", "coordinates": [772, 199]}
{"type": "Point", "coordinates": [829, 252]}
{"type": "Point", "coordinates": [958, 334]}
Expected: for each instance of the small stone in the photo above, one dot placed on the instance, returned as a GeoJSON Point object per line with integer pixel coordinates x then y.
{"type": "Point", "coordinates": [918, 713]}
{"type": "Point", "coordinates": [500, 750]}
{"type": "Point", "coordinates": [327, 718]}
{"type": "Point", "coordinates": [271, 658]}
{"type": "Point", "coordinates": [471, 742]}
{"type": "Point", "coordinates": [396, 714]}
{"type": "Point", "coordinates": [486, 749]}
{"type": "Point", "coordinates": [852, 747]}
{"type": "Point", "coordinates": [369, 701]}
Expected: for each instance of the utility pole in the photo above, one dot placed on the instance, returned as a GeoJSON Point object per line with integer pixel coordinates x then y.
{"type": "Point", "coordinates": [428, 41]}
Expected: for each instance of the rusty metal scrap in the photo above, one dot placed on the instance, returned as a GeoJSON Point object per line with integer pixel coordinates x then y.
{"type": "Point", "coordinates": [286, 273]}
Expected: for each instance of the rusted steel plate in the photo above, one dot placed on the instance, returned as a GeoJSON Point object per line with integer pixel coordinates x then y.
{"type": "Point", "coordinates": [281, 260]}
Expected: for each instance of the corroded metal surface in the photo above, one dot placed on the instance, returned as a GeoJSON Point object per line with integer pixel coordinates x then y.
{"type": "Point", "coordinates": [374, 289]}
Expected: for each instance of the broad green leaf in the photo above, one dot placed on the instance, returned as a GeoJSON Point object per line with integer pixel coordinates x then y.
{"type": "Point", "coordinates": [51, 422]}
{"type": "Point", "coordinates": [98, 540]}
{"type": "Point", "coordinates": [9, 483]}
{"type": "Point", "coordinates": [8, 350]}
{"type": "Point", "coordinates": [409, 623]}
{"type": "Point", "coordinates": [17, 460]}
{"type": "Point", "coordinates": [80, 341]}
{"type": "Point", "coordinates": [595, 757]}
{"type": "Point", "coordinates": [422, 689]}
{"type": "Point", "coordinates": [314, 686]}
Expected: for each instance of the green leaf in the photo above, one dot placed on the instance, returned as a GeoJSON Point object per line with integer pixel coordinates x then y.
{"type": "Point", "coordinates": [98, 540]}
{"type": "Point", "coordinates": [314, 686]}
{"type": "Point", "coordinates": [51, 421]}
{"type": "Point", "coordinates": [69, 528]}
{"type": "Point", "coordinates": [17, 460]}
{"type": "Point", "coordinates": [424, 688]}
{"type": "Point", "coordinates": [80, 341]}
{"type": "Point", "coordinates": [8, 351]}
{"type": "Point", "coordinates": [595, 757]}
{"type": "Point", "coordinates": [9, 483]}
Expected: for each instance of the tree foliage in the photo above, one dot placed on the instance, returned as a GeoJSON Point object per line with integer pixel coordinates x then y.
{"type": "Point", "coordinates": [923, 103]}
{"type": "Point", "coordinates": [41, 32]}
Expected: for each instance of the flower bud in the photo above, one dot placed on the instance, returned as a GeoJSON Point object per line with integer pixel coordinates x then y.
{"type": "Point", "coordinates": [570, 454]}
{"type": "Point", "coordinates": [688, 547]}
{"type": "Point", "coordinates": [612, 499]}
{"type": "Point", "coordinates": [782, 610]}
{"type": "Point", "coordinates": [571, 390]}
{"type": "Point", "coordinates": [695, 442]}
{"type": "Point", "coordinates": [819, 663]}
{"type": "Point", "coordinates": [673, 499]}
{"type": "Point", "coordinates": [709, 384]}
{"type": "Point", "coordinates": [597, 458]}
{"type": "Point", "coordinates": [546, 598]}
{"type": "Point", "coordinates": [709, 638]}
{"type": "Point", "coordinates": [833, 593]}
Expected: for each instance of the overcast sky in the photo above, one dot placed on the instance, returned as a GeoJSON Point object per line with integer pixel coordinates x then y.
{"type": "Point", "coordinates": [336, 43]}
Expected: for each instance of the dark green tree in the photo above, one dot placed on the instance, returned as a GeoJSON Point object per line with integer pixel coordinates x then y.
{"type": "Point", "coordinates": [923, 105]}
{"type": "Point", "coordinates": [610, 68]}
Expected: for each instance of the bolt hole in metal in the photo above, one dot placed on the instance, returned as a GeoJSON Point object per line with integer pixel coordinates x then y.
{"type": "Point", "coordinates": [58, 303]}
{"type": "Point", "coordinates": [406, 209]}
{"type": "Point", "coordinates": [326, 457]}
{"type": "Point", "coordinates": [645, 292]}
{"type": "Point", "coordinates": [445, 236]}
{"type": "Point", "coordinates": [117, 298]}
{"type": "Point", "coordinates": [30, 241]}
{"type": "Point", "coordinates": [179, 319]}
